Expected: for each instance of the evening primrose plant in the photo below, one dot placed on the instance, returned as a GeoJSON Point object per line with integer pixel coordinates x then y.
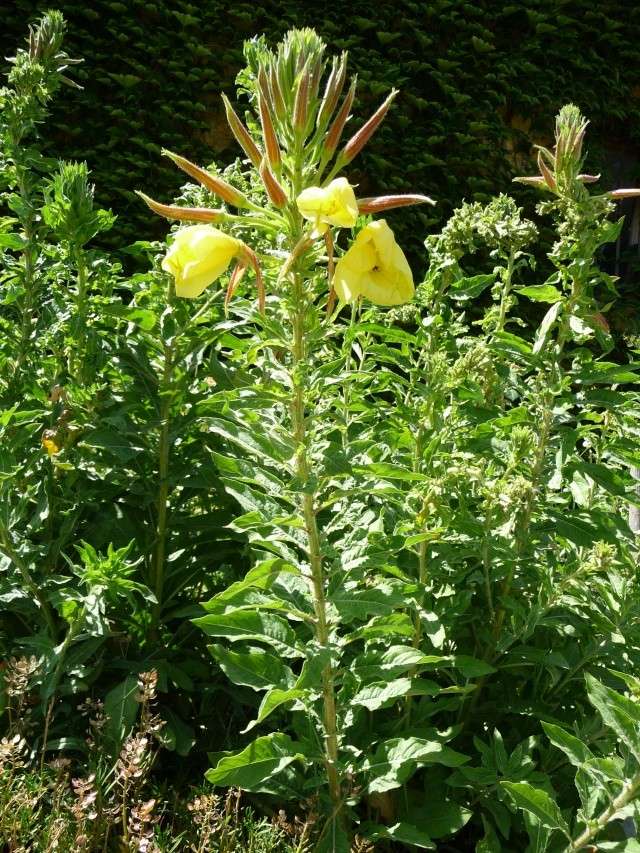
{"type": "Point", "coordinates": [305, 615]}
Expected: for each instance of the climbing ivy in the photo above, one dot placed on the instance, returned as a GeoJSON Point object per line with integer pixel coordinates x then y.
{"type": "Point", "coordinates": [478, 81]}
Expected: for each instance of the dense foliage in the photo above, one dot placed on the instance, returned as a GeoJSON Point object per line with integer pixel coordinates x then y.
{"type": "Point", "coordinates": [369, 564]}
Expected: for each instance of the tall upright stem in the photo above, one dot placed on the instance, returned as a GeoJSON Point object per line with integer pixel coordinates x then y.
{"type": "Point", "coordinates": [162, 501]}
{"type": "Point", "coordinates": [317, 578]}
{"type": "Point", "coordinates": [79, 370]}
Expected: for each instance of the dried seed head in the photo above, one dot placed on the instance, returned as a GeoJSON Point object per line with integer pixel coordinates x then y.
{"type": "Point", "coordinates": [18, 675]}
{"type": "Point", "coordinates": [12, 751]}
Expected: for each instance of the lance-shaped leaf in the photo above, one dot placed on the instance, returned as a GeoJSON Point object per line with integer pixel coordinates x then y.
{"type": "Point", "coordinates": [538, 803]}
{"type": "Point", "coordinates": [396, 760]}
{"type": "Point", "coordinates": [255, 765]}
{"type": "Point", "coordinates": [255, 668]}
{"type": "Point", "coordinates": [274, 699]}
{"type": "Point", "coordinates": [253, 627]}
{"type": "Point", "coordinates": [211, 182]}
{"type": "Point", "coordinates": [184, 214]}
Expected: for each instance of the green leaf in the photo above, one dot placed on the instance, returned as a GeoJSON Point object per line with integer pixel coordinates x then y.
{"type": "Point", "coordinates": [256, 764]}
{"type": "Point", "coordinates": [576, 751]}
{"type": "Point", "coordinates": [618, 713]}
{"type": "Point", "coordinates": [403, 833]}
{"type": "Point", "coordinates": [545, 327]}
{"type": "Point", "coordinates": [256, 668]}
{"type": "Point", "coordinates": [121, 709]}
{"type": "Point", "coordinates": [252, 441]}
{"type": "Point", "coordinates": [538, 803]}
{"type": "Point", "coordinates": [396, 760]}
{"type": "Point", "coordinates": [540, 293]}
{"type": "Point", "coordinates": [469, 288]}
{"type": "Point", "coordinates": [272, 700]}
{"type": "Point", "coordinates": [381, 694]}
{"type": "Point", "coordinates": [253, 626]}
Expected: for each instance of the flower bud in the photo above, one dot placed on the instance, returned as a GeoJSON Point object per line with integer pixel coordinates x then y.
{"type": "Point", "coordinates": [269, 135]}
{"type": "Point", "coordinates": [301, 106]}
{"type": "Point", "coordinates": [625, 193]}
{"type": "Point", "coordinates": [589, 179]}
{"type": "Point", "coordinates": [387, 202]}
{"type": "Point", "coordinates": [279, 106]}
{"type": "Point", "coordinates": [211, 182]}
{"type": "Point", "coordinates": [546, 173]}
{"type": "Point", "coordinates": [335, 131]}
{"type": "Point", "coordinates": [333, 90]}
{"type": "Point", "coordinates": [186, 214]}
{"type": "Point", "coordinates": [277, 195]}
{"type": "Point", "coordinates": [360, 139]}
{"type": "Point", "coordinates": [242, 135]}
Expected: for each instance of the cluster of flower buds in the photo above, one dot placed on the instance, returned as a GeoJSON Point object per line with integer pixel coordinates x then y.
{"type": "Point", "coordinates": [560, 168]}
{"type": "Point", "coordinates": [301, 108]}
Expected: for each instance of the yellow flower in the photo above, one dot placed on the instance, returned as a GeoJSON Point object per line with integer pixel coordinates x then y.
{"type": "Point", "coordinates": [332, 205]}
{"type": "Point", "coordinates": [375, 267]}
{"type": "Point", "coordinates": [50, 446]}
{"type": "Point", "coordinates": [198, 255]}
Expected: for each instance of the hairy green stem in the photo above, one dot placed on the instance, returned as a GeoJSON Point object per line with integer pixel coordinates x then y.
{"type": "Point", "coordinates": [162, 500]}
{"type": "Point", "coordinates": [626, 795]}
{"type": "Point", "coordinates": [79, 368]}
{"type": "Point", "coordinates": [317, 578]}
{"type": "Point", "coordinates": [7, 547]}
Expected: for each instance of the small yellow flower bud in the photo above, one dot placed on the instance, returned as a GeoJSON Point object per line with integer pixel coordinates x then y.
{"type": "Point", "coordinates": [374, 268]}
{"type": "Point", "coordinates": [49, 443]}
{"type": "Point", "coordinates": [333, 205]}
{"type": "Point", "coordinates": [198, 256]}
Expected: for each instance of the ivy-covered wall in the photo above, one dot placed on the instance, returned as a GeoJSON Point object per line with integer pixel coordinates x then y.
{"type": "Point", "coordinates": [480, 81]}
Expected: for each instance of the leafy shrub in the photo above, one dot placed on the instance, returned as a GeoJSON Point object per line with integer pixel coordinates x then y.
{"type": "Point", "coordinates": [431, 581]}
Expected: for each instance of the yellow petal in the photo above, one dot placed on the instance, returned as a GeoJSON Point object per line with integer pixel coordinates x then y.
{"type": "Point", "coordinates": [332, 205]}
{"type": "Point", "coordinates": [375, 268]}
{"type": "Point", "coordinates": [198, 256]}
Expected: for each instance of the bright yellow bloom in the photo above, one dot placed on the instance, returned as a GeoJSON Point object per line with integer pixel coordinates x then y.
{"type": "Point", "coordinates": [375, 268]}
{"type": "Point", "coordinates": [332, 205]}
{"type": "Point", "coordinates": [198, 255]}
{"type": "Point", "coordinates": [50, 446]}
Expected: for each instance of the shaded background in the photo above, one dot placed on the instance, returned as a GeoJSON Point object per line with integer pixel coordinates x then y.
{"type": "Point", "coordinates": [480, 83]}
